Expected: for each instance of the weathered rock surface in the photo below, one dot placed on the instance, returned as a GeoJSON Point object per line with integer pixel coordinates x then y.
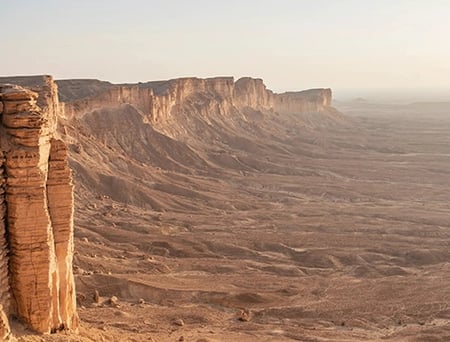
{"type": "Point", "coordinates": [36, 209]}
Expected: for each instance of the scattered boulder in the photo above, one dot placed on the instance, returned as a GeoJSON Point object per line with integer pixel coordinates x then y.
{"type": "Point", "coordinates": [178, 322]}
{"type": "Point", "coordinates": [113, 301]}
{"type": "Point", "coordinates": [243, 315]}
{"type": "Point", "coordinates": [96, 297]}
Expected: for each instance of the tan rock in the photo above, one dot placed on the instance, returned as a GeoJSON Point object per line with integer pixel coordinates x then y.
{"type": "Point", "coordinates": [178, 322]}
{"type": "Point", "coordinates": [113, 301]}
{"type": "Point", "coordinates": [161, 100]}
{"type": "Point", "coordinates": [5, 330]}
{"type": "Point", "coordinates": [25, 120]}
{"type": "Point", "coordinates": [39, 206]}
{"type": "Point", "coordinates": [11, 92]}
{"type": "Point", "coordinates": [243, 315]}
{"type": "Point", "coordinates": [96, 297]}
{"type": "Point", "coordinates": [252, 93]}
{"type": "Point", "coordinates": [4, 276]}
{"type": "Point", "coordinates": [307, 101]}
{"type": "Point", "coordinates": [14, 107]}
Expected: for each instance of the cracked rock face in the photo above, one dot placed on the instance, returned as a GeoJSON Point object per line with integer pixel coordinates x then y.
{"type": "Point", "coordinates": [36, 210]}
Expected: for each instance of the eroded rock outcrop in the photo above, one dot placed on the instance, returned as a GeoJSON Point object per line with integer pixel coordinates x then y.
{"type": "Point", "coordinates": [251, 92]}
{"type": "Point", "coordinates": [36, 209]}
{"type": "Point", "coordinates": [169, 94]}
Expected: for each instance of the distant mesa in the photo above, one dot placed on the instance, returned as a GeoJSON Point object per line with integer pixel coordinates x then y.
{"type": "Point", "coordinates": [158, 99]}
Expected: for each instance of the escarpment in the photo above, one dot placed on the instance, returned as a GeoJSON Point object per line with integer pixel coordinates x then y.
{"type": "Point", "coordinates": [36, 208]}
{"type": "Point", "coordinates": [159, 100]}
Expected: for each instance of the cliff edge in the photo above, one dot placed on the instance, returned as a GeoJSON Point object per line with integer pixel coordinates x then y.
{"type": "Point", "coordinates": [160, 99]}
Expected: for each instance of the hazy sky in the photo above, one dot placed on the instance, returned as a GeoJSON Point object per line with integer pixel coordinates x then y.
{"type": "Point", "coordinates": [291, 44]}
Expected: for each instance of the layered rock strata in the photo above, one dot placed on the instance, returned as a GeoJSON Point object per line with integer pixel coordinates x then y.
{"type": "Point", "coordinates": [160, 99]}
{"type": "Point", "coordinates": [251, 92]}
{"type": "Point", "coordinates": [36, 206]}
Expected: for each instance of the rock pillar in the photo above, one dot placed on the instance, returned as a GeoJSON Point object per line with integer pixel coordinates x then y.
{"type": "Point", "coordinates": [37, 198]}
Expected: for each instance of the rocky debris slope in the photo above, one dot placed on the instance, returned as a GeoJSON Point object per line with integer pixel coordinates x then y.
{"type": "Point", "coordinates": [36, 199]}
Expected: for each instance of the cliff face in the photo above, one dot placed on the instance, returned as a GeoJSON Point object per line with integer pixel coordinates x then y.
{"type": "Point", "coordinates": [36, 209]}
{"type": "Point", "coordinates": [159, 100]}
{"type": "Point", "coordinates": [174, 92]}
{"type": "Point", "coordinates": [110, 98]}
{"type": "Point", "coordinates": [250, 92]}
{"type": "Point", "coordinates": [307, 101]}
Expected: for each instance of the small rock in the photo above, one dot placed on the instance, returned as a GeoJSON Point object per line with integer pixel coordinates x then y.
{"type": "Point", "coordinates": [178, 322]}
{"type": "Point", "coordinates": [181, 338]}
{"type": "Point", "coordinates": [85, 239]}
{"type": "Point", "coordinates": [113, 301]}
{"type": "Point", "coordinates": [141, 301]}
{"type": "Point", "coordinates": [96, 297]}
{"type": "Point", "coordinates": [76, 270]}
{"type": "Point", "coordinates": [77, 148]}
{"type": "Point", "coordinates": [243, 315]}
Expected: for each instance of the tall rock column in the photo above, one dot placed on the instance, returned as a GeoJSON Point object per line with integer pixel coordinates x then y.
{"type": "Point", "coordinates": [60, 204]}
{"type": "Point", "coordinates": [39, 205]}
{"type": "Point", "coordinates": [4, 279]}
{"type": "Point", "coordinates": [5, 331]}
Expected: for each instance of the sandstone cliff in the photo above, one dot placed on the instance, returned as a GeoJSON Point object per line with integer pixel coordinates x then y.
{"type": "Point", "coordinates": [36, 208]}
{"type": "Point", "coordinates": [250, 92]}
{"type": "Point", "coordinates": [160, 99]}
